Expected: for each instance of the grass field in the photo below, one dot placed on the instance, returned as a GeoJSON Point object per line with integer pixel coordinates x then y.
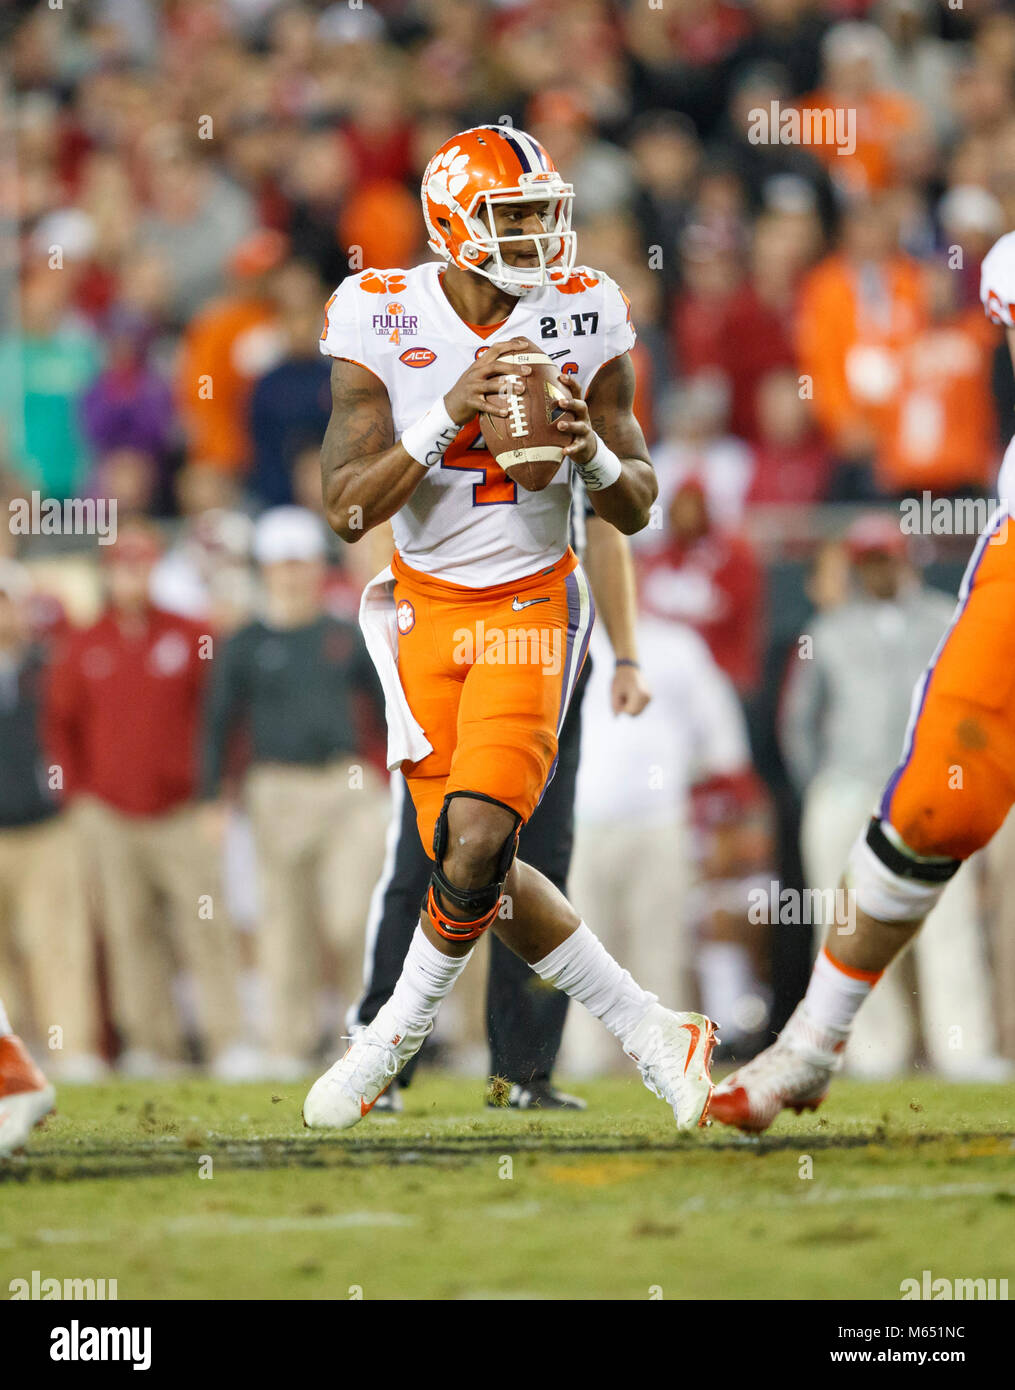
{"type": "Point", "coordinates": [455, 1201]}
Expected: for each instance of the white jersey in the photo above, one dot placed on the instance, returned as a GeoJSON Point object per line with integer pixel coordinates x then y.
{"type": "Point", "coordinates": [997, 294]}
{"type": "Point", "coordinates": [466, 522]}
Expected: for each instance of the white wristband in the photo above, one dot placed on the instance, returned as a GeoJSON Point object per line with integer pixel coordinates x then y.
{"type": "Point", "coordinates": [602, 470]}
{"type": "Point", "coordinates": [427, 440]}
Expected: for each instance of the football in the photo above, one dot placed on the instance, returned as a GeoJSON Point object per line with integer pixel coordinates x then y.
{"type": "Point", "coordinates": [526, 443]}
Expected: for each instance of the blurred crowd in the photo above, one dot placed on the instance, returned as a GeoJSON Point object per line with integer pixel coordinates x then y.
{"type": "Point", "coordinates": [190, 180]}
{"type": "Point", "coordinates": [194, 178]}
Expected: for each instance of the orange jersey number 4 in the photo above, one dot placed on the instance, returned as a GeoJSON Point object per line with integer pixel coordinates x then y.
{"type": "Point", "coordinates": [496, 486]}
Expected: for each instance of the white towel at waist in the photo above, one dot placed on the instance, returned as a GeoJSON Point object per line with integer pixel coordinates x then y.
{"type": "Point", "coordinates": [406, 740]}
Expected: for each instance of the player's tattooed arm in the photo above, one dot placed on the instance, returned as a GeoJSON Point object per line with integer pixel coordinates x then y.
{"type": "Point", "coordinates": [608, 411]}
{"type": "Point", "coordinates": [366, 475]}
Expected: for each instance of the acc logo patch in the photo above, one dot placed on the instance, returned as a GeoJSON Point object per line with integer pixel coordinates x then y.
{"type": "Point", "coordinates": [405, 616]}
{"type": "Point", "coordinates": [418, 357]}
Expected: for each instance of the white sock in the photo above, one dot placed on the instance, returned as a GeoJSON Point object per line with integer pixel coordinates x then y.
{"type": "Point", "coordinates": [5, 1023]}
{"type": "Point", "coordinates": [427, 976]}
{"type": "Point", "coordinates": [834, 996]}
{"type": "Point", "coordinates": [583, 968]}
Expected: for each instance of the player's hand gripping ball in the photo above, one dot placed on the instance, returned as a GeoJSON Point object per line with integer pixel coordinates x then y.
{"type": "Point", "coordinates": [525, 441]}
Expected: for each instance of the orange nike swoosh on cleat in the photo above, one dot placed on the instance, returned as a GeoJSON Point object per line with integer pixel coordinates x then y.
{"type": "Point", "coordinates": [695, 1032]}
{"type": "Point", "coordinates": [365, 1109]}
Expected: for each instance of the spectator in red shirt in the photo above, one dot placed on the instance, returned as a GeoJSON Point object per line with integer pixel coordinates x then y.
{"type": "Point", "coordinates": [378, 135]}
{"type": "Point", "coordinates": [758, 332]}
{"type": "Point", "coordinates": [710, 579]}
{"type": "Point", "coordinates": [713, 275]}
{"type": "Point", "coordinates": [122, 714]}
{"type": "Point", "coordinates": [792, 463]}
{"type": "Point", "coordinates": [741, 326]}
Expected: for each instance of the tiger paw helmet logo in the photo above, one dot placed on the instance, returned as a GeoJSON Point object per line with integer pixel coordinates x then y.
{"type": "Point", "coordinates": [446, 176]}
{"type": "Point", "coordinates": [405, 616]}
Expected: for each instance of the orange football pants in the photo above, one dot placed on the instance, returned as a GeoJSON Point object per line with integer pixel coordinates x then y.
{"type": "Point", "coordinates": [956, 781]}
{"type": "Point", "coordinates": [488, 674]}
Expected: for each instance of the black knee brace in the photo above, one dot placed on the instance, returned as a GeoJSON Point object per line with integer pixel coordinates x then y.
{"type": "Point", "coordinates": [481, 904]}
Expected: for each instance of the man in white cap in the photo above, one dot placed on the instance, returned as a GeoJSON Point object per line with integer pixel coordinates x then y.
{"type": "Point", "coordinates": [302, 682]}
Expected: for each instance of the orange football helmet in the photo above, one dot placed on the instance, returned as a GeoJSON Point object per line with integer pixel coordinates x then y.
{"type": "Point", "coordinates": [465, 180]}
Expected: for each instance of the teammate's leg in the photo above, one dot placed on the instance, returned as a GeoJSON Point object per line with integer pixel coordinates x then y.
{"type": "Point", "coordinates": [894, 893]}
{"type": "Point", "coordinates": [26, 1096]}
{"type": "Point", "coordinates": [948, 797]}
{"type": "Point", "coordinates": [796, 1070]}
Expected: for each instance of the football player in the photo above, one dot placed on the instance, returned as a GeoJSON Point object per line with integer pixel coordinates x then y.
{"type": "Point", "coordinates": [26, 1097]}
{"type": "Point", "coordinates": [479, 563]}
{"type": "Point", "coordinates": [949, 794]}
{"type": "Point", "coordinates": [524, 1025]}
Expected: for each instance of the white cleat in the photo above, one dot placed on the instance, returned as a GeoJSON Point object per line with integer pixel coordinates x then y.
{"type": "Point", "coordinates": [793, 1074]}
{"type": "Point", "coordinates": [26, 1097]}
{"type": "Point", "coordinates": [673, 1053]}
{"type": "Point", "coordinates": [350, 1089]}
